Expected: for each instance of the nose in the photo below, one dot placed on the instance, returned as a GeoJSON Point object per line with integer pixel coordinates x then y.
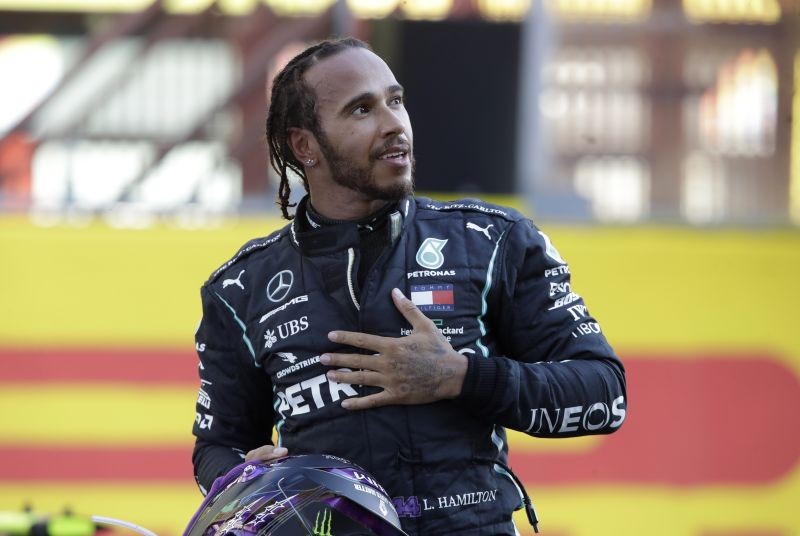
{"type": "Point", "coordinates": [394, 122]}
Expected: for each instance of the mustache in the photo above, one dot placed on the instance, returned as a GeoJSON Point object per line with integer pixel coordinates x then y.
{"type": "Point", "coordinates": [398, 143]}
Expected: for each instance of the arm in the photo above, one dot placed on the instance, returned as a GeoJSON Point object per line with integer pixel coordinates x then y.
{"type": "Point", "coordinates": [564, 379]}
{"type": "Point", "coordinates": [234, 408]}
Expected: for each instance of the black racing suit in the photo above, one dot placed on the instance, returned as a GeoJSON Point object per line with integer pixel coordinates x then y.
{"type": "Point", "coordinates": [491, 282]}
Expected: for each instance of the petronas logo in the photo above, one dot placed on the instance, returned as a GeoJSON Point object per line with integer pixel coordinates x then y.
{"type": "Point", "coordinates": [429, 254]}
{"type": "Point", "coordinates": [551, 250]}
{"type": "Point", "coordinates": [322, 526]}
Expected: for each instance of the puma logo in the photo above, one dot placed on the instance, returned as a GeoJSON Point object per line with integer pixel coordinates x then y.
{"type": "Point", "coordinates": [228, 282]}
{"type": "Point", "coordinates": [484, 230]}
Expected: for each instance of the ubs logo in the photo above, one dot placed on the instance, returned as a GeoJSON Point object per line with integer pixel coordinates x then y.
{"type": "Point", "coordinates": [280, 285]}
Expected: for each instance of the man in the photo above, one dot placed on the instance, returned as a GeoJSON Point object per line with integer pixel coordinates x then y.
{"type": "Point", "coordinates": [397, 332]}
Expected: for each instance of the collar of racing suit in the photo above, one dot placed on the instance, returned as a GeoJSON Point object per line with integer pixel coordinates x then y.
{"type": "Point", "coordinates": [316, 235]}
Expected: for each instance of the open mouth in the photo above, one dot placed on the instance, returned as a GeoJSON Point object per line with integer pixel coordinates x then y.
{"type": "Point", "coordinates": [394, 156]}
{"type": "Point", "coordinates": [398, 154]}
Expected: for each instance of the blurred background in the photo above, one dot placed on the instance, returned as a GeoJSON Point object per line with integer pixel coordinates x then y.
{"type": "Point", "coordinates": [653, 140]}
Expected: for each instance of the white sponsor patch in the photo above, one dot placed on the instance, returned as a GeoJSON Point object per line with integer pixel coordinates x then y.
{"type": "Point", "coordinates": [551, 250]}
{"type": "Point", "coordinates": [311, 394]}
{"type": "Point", "coordinates": [293, 301]}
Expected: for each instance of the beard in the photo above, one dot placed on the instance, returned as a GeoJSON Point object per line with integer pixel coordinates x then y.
{"type": "Point", "coordinates": [361, 179]}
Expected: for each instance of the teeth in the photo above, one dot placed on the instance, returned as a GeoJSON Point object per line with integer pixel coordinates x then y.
{"type": "Point", "coordinates": [391, 155]}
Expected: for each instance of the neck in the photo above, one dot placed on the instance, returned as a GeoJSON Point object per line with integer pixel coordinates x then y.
{"type": "Point", "coordinates": [345, 208]}
{"type": "Point", "coordinates": [316, 220]}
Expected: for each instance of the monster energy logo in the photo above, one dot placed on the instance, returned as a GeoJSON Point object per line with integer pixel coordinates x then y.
{"type": "Point", "coordinates": [322, 527]}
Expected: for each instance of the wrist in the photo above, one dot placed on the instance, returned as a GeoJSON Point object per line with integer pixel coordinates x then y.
{"type": "Point", "coordinates": [455, 371]}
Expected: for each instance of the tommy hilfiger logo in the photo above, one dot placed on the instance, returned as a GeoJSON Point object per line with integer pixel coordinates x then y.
{"type": "Point", "coordinates": [433, 297]}
{"type": "Point", "coordinates": [429, 254]}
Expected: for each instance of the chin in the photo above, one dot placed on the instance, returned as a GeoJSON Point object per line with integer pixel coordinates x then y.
{"type": "Point", "coordinates": [393, 190]}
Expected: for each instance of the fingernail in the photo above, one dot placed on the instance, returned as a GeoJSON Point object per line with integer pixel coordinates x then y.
{"type": "Point", "coordinates": [398, 293]}
{"type": "Point", "coordinates": [345, 404]}
{"type": "Point", "coordinates": [333, 335]}
{"type": "Point", "coordinates": [280, 451]}
{"type": "Point", "coordinates": [331, 375]}
{"type": "Point", "coordinates": [324, 359]}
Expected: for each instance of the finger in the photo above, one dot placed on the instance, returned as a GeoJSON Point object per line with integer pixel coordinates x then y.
{"type": "Point", "coordinates": [366, 402]}
{"type": "Point", "coordinates": [358, 361]}
{"type": "Point", "coordinates": [410, 311]}
{"type": "Point", "coordinates": [359, 340]}
{"type": "Point", "coordinates": [356, 377]}
{"type": "Point", "coordinates": [265, 452]}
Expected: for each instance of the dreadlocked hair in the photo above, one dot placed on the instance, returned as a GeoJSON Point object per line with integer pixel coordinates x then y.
{"type": "Point", "coordinates": [293, 104]}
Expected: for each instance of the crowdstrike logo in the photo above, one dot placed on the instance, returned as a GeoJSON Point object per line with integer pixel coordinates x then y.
{"type": "Point", "coordinates": [288, 357]}
{"type": "Point", "coordinates": [294, 367]}
{"type": "Point", "coordinates": [280, 285]}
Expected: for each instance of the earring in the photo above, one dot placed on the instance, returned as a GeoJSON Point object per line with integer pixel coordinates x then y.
{"type": "Point", "coordinates": [310, 162]}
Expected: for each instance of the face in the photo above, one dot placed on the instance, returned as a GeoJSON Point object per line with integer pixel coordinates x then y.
{"type": "Point", "coordinates": [365, 138]}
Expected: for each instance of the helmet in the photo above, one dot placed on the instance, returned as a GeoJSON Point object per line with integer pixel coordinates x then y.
{"type": "Point", "coordinates": [315, 494]}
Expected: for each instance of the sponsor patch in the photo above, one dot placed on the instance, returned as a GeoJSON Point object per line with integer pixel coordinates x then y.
{"type": "Point", "coordinates": [433, 297]}
{"type": "Point", "coordinates": [483, 230]}
{"type": "Point", "coordinates": [431, 273]}
{"type": "Point", "coordinates": [551, 250]}
{"type": "Point", "coordinates": [293, 301]}
{"type": "Point", "coordinates": [285, 330]}
{"type": "Point", "coordinates": [203, 421]}
{"type": "Point", "coordinates": [237, 281]}
{"type": "Point", "coordinates": [429, 254]}
{"type": "Point", "coordinates": [203, 399]}
{"type": "Point", "coordinates": [280, 285]}
{"type": "Point", "coordinates": [294, 367]}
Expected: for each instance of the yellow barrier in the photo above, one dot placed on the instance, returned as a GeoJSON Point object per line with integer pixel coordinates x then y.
{"type": "Point", "coordinates": [660, 291]}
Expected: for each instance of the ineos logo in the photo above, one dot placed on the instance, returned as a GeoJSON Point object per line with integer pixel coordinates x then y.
{"type": "Point", "coordinates": [279, 286]}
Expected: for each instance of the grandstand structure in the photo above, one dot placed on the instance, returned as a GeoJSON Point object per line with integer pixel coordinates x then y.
{"type": "Point", "coordinates": [614, 111]}
{"type": "Point", "coordinates": [130, 130]}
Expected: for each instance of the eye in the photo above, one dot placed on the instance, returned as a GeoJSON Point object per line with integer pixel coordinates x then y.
{"type": "Point", "coordinates": [397, 100]}
{"type": "Point", "coordinates": [361, 109]}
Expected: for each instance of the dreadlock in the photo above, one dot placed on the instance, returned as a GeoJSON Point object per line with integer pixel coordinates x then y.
{"type": "Point", "coordinates": [293, 104]}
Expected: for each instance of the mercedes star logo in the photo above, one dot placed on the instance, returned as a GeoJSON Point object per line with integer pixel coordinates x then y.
{"type": "Point", "coordinates": [279, 286]}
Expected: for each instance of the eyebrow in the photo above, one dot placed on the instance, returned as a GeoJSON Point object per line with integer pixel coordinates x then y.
{"type": "Point", "coordinates": [367, 95]}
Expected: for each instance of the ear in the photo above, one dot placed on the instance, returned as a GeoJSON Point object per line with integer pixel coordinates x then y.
{"type": "Point", "coordinates": [303, 145]}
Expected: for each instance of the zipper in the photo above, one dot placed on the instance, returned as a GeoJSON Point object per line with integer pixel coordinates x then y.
{"type": "Point", "coordinates": [351, 258]}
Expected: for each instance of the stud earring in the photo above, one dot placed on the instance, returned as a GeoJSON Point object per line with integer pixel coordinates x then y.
{"type": "Point", "coordinates": [310, 162]}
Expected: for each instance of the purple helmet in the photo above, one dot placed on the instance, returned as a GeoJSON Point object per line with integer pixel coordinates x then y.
{"type": "Point", "coordinates": [315, 495]}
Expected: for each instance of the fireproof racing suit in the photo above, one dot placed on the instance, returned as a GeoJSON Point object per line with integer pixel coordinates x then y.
{"type": "Point", "coordinates": [496, 288]}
